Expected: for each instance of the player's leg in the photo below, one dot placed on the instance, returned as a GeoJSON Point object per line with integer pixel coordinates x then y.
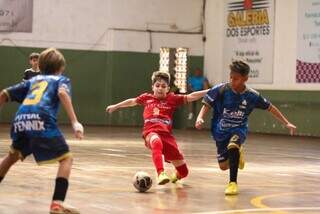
{"type": "Point", "coordinates": [61, 188]}
{"type": "Point", "coordinates": [154, 143]}
{"type": "Point", "coordinates": [7, 162]}
{"type": "Point", "coordinates": [182, 170]}
{"type": "Point", "coordinates": [62, 180]}
{"type": "Point", "coordinates": [52, 150]}
{"type": "Point", "coordinates": [224, 165]}
{"type": "Point", "coordinates": [222, 154]}
{"type": "Point", "coordinates": [20, 149]}
{"type": "Point", "coordinates": [173, 155]}
{"type": "Point", "coordinates": [241, 158]}
{"type": "Point", "coordinates": [234, 157]}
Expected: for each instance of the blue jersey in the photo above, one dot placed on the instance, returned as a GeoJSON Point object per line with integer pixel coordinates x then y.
{"type": "Point", "coordinates": [37, 115]}
{"type": "Point", "coordinates": [231, 110]}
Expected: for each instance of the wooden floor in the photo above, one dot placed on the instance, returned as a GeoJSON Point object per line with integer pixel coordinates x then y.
{"type": "Point", "coordinates": [281, 176]}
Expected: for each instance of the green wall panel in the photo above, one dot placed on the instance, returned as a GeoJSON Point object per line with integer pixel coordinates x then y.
{"type": "Point", "coordinates": [131, 74]}
{"type": "Point", "coordinates": [302, 108]}
{"type": "Point", "coordinates": [87, 70]}
{"type": "Point", "coordinates": [195, 62]}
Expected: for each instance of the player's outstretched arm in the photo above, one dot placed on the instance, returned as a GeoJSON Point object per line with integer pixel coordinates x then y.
{"type": "Point", "coordinates": [3, 98]}
{"type": "Point", "coordinates": [279, 116]}
{"type": "Point", "coordinates": [201, 115]}
{"type": "Point", "coordinates": [196, 95]}
{"type": "Point", "coordinates": [67, 104]}
{"type": "Point", "coordinates": [126, 103]}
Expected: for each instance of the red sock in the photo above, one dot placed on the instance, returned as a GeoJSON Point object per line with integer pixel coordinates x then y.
{"type": "Point", "coordinates": [182, 171]}
{"type": "Point", "coordinates": [156, 148]}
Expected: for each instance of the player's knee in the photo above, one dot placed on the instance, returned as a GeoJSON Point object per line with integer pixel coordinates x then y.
{"type": "Point", "coordinates": [234, 142]}
{"type": "Point", "coordinates": [67, 161]}
{"type": "Point", "coordinates": [155, 142]}
{"type": "Point", "coordinates": [224, 165]}
{"type": "Point", "coordinates": [224, 168]}
{"type": "Point", "coordinates": [183, 171]}
{"type": "Point", "coordinates": [233, 145]}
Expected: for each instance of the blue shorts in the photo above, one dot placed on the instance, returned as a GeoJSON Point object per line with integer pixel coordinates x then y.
{"type": "Point", "coordinates": [44, 150]}
{"type": "Point", "coordinates": [38, 134]}
{"type": "Point", "coordinates": [222, 142]}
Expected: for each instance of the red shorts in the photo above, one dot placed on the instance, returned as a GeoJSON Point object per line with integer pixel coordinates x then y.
{"type": "Point", "coordinates": [170, 148]}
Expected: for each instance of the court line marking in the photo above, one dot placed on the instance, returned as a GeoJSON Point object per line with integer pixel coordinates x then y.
{"type": "Point", "coordinates": [114, 155]}
{"type": "Point", "coordinates": [257, 201]}
{"type": "Point", "coordinates": [114, 150]}
{"type": "Point", "coordinates": [262, 210]}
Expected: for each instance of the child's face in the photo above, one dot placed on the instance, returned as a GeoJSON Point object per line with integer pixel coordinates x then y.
{"type": "Point", "coordinates": [237, 81]}
{"type": "Point", "coordinates": [34, 62]}
{"type": "Point", "coordinates": [160, 89]}
{"type": "Point", "coordinates": [198, 73]}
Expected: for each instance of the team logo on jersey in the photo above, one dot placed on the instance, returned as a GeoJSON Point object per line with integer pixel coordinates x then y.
{"type": "Point", "coordinates": [233, 114]}
{"type": "Point", "coordinates": [243, 104]}
{"type": "Point", "coordinates": [156, 111]}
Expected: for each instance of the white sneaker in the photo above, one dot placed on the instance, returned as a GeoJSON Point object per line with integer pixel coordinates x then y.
{"type": "Point", "coordinates": [190, 116]}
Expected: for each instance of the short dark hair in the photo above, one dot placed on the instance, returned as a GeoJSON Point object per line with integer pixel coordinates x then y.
{"type": "Point", "coordinates": [34, 55]}
{"type": "Point", "coordinates": [160, 75]}
{"type": "Point", "coordinates": [50, 61]}
{"type": "Point", "coordinates": [240, 67]}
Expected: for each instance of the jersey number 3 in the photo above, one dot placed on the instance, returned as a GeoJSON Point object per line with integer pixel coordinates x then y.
{"type": "Point", "coordinates": [37, 92]}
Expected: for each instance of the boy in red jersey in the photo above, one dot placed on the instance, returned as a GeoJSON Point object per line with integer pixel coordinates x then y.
{"type": "Point", "coordinates": [157, 131]}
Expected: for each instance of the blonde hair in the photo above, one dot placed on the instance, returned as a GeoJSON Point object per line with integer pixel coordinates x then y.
{"type": "Point", "coordinates": [51, 60]}
{"type": "Point", "coordinates": [160, 75]}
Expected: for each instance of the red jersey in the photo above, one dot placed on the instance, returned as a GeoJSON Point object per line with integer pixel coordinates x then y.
{"type": "Point", "coordinates": [158, 113]}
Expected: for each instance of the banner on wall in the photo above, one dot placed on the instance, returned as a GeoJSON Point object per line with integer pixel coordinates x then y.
{"type": "Point", "coordinates": [308, 42]}
{"type": "Point", "coordinates": [16, 15]}
{"type": "Point", "coordinates": [248, 35]}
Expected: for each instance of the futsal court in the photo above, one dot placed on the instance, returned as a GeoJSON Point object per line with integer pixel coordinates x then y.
{"type": "Point", "coordinates": [280, 176]}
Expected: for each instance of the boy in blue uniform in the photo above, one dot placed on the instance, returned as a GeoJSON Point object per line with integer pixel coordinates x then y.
{"type": "Point", "coordinates": [34, 129]}
{"type": "Point", "coordinates": [232, 104]}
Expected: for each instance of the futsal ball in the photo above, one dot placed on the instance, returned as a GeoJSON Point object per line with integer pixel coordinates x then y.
{"type": "Point", "coordinates": [142, 181]}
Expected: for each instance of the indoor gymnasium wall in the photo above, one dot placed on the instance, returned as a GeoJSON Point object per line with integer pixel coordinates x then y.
{"type": "Point", "coordinates": [300, 102]}
{"type": "Point", "coordinates": [87, 70]}
{"type": "Point", "coordinates": [111, 49]}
